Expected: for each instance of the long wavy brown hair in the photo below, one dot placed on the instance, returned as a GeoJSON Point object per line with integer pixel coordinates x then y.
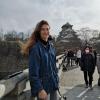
{"type": "Point", "coordinates": [33, 38]}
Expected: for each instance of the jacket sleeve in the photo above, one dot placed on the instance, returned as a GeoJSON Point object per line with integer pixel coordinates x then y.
{"type": "Point", "coordinates": [95, 55]}
{"type": "Point", "coordinates": [93, 62]}
{"type": "Point", "coordinates": [34, 66]}
{"type": "Point", "coordinates": [82, 62]}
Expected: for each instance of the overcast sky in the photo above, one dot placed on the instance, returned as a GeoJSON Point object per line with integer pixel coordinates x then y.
{"type": "Point", "coordinates": [22, 15]}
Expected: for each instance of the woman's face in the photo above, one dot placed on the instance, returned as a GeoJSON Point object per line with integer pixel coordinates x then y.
{"type": "Point", "coordinates": [44, 33]}
{"type": "Point", "coordinates": [87, 50]}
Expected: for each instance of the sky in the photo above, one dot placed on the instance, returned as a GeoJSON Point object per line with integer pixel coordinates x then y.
{"type": "Point", "coordinates": [23, 15]}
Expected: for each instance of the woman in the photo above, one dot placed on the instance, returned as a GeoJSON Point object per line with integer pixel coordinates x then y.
{"type": "Point", "coordinates": [42, 63]}
{"type": "Point", "coordinates": [88, 66]}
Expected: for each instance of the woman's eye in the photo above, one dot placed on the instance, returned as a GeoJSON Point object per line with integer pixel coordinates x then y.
{"type": "Point", "coordinates": [47, 29]}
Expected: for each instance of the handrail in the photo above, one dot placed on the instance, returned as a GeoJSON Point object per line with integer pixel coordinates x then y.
{"type": "Point", "coordinates": [6, 86]}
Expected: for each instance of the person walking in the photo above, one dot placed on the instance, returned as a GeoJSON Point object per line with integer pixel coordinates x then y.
{"type": "Point", "coordinates": [98, 68]}
{"type": "Point", "coordinates": [78, 56]}
{"type": "Point", "coordinates": [70, 56]}
{"type": "Point", "coordinates": [43, 73]}
{"type": "Point", "coordinates": [88, 66]}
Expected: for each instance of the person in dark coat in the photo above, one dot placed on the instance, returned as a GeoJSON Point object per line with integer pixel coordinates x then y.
{"type": "Point", "coordinates": [95, 55]}
{"type": "Point", "coordinates": [88, 66]}
{"type": "Point", "coordinates": [43, 73]}
{"type": "Point", "coordinates": [70, 56]}
{"type": "Point", "coordinates": [93, 51]}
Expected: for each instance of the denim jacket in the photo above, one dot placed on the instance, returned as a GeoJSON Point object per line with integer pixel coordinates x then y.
{"type": "Point", "coordinates": [42, 68]}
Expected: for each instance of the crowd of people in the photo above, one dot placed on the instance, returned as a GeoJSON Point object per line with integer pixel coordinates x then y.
{"type": "Point", "coordinates": [87, 59]}
{"type": "Point", "coordinates": [72, 57]}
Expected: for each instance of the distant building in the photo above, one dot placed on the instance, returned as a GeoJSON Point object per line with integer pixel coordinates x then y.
{"type": "Point", "coordinates": [67, 38]}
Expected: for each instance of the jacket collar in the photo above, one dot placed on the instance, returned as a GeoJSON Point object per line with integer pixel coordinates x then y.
{"type": "Point", "coordinates": [46, 46]}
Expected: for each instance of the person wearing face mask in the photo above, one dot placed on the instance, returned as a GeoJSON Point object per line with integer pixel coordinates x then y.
{"type": "Point", "coordinates": [88, 66]}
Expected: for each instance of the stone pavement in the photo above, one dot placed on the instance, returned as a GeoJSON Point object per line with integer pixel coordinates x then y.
{"type": "Point", "coordinates": [72, 85]}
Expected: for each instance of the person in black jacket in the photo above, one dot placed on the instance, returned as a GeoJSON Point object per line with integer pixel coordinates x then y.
{"type": "Point", "coordinates": [94, 53]}
{"type": "Point", "coordinates": [70, 56]}
{"type": "Point", "coordinates": [88, 66]}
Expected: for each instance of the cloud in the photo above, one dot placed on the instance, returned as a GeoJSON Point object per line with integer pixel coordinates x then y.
{"type": "Point", "coordinates": [22, 15]}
